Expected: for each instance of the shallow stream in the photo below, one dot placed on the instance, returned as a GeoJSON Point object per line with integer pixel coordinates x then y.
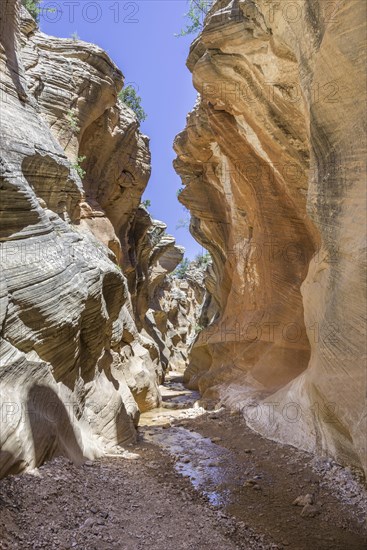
{"type": "Point", "coordinates": [211, 468]}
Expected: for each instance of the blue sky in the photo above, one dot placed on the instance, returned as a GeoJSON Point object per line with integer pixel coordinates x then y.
{"type": "Point", "coordinates": [139, 37]}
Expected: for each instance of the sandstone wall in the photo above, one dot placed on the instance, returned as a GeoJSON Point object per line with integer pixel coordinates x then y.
{"type": "Point", "coordinates": [272, 160]}
{"type": "Point", "coordinates": [77, 366]}
{"type": "Point", "coordinates": [166, 308]}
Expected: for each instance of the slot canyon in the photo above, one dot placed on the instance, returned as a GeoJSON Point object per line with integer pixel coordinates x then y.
{"type": "Point", "coordinates": [148, 400]}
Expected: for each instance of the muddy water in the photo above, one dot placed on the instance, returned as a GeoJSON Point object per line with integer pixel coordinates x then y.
{"type": "Point", "coordinates": [210, 468]}
{"type": "Point", "coordinates": [248, 477]}
{"type": "Point", "coordinates": [203, 462]}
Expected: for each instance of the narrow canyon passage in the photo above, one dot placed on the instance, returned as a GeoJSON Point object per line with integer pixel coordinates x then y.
{"type": "Point", "coordinates": [162, 398]}
{"type": "Point", "coordinates": [194, 480]}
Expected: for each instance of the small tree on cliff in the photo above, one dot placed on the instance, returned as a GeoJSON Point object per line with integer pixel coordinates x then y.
{"type": "Point", "coordinates": [129, 96]}
{"type": "Point", "coordinates": [196, 15]}
{"type": "Point", "coordinates": [35, 9]}
{"type": "Point", "coordinates": [182, 268]}
{"type": "Point", "coordinates": [203, 260]}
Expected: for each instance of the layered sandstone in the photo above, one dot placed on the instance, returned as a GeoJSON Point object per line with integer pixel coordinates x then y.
{"type": "Point", "coordinates": [166, 308]}
{"type": "Point", "coordinates": [77, 366]}
{"type": "Point", "coordinates": [272, 163]}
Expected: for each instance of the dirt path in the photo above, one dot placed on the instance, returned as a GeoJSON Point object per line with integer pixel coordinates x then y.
{"type": "Point", "coordinates": [257, 482]}
{"type": "Point", "coordinates": [195, 481]}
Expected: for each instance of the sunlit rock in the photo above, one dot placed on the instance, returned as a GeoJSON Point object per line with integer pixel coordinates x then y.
{"type": "Point", "coordinates": [272, 160]}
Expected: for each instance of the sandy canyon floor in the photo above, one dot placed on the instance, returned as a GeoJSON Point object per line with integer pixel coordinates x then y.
{"type": "Point", "coordinates": [195, 480]}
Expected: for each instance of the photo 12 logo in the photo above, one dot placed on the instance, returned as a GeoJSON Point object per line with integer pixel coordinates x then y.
{"type": "Point", "coordinates": [229, 92]}
{"type": "Point", "coordinates": [295, 11]}
{"type": "Point", "coordinates": [73, 11]}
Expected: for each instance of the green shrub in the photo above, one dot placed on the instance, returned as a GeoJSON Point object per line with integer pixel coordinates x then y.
{"type": "Point", "coordinates": [34, 8]}
{"type": "Point", "coordinates": [202, 260]}
{"type": "Point", "coordinates": [72, 120]}
{"type": "Point", "coordinates": [181, 269]}
{"type": "Point", "coordinates": [129, 96]}
{"type": "Point", "coordinates": [76, 165]}
{"type": "Point", "coordinates": [146, 203]}
{"type": "Point", "coordinates": [196, 15]}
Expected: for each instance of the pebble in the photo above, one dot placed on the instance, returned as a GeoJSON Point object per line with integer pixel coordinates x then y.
{"type": "Point", "coordinates": [89, 522]}
{"type": "Point", "coordinates": [302, 500]}
{"type": "Point", "coordinates": [250, 483]}
{"type": "Point", "coordinates": [130, 456]}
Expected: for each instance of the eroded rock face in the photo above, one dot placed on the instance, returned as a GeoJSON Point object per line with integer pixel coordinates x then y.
{"type": "Point", "coordinates": [76, 368]}
{"type": "Point", "coordinates": [76, 86]}
{"type": "Point", "coordinates": [272, 162]}
{"type": "Point", "coordinates": [166, 308]}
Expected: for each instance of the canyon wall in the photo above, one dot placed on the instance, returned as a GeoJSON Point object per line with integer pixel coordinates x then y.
{"type": "Point", "coordinates": [87, 329]}
{"type": "Point", "coordinates": [273, 164]}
